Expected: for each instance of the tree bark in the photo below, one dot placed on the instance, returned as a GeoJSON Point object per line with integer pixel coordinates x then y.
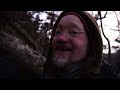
{"type": "Point", "coordinates": [26, 57]}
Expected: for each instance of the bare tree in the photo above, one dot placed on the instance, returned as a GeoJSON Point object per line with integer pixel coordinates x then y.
{"type": "Point", "coordinates": [109, 52]}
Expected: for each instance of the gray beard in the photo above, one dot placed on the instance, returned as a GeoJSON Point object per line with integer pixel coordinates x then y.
{"type": "Point", "coordinates": [59, 61]}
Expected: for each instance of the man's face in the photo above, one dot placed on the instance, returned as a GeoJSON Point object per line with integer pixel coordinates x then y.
{"type": "Point", "coordinates": [70, 41]}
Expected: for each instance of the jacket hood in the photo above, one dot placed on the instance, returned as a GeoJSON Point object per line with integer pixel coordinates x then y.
{"type": "Point", "coordinates": [93, 60]}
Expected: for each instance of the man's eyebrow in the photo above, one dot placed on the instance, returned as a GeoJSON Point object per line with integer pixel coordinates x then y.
{"type": "Point", "coordinates": [72, 25]}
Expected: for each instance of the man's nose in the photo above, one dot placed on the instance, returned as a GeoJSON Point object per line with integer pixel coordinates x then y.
{"type": "Point", "coordinates": [63, 38]}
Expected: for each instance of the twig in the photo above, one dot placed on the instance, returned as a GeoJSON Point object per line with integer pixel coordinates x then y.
{"type": "Point", "coordinates": [117, 20]}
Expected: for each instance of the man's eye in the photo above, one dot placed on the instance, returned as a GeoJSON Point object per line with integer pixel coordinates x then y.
{"type": "Point", "coordinates": [74, 33]}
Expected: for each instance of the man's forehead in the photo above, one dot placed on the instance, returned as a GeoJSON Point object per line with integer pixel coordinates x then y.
{"type": "Point", "coordinates": [70, 18]}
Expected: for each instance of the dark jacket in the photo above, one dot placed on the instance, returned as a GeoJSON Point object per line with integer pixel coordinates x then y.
{"type": "Point", "coordinates": [107, 71]}
{"type": "Point", "coordinates": [93, 66]}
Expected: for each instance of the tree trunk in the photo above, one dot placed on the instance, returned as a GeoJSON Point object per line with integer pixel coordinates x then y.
{"type": "Point", "coordinates": [17, 44]}
{"type": "Point", "coordinates": [25, 56]}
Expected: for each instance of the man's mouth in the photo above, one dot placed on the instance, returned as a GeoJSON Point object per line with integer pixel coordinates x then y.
{"type": "Point", "coordinates": [63, 49]}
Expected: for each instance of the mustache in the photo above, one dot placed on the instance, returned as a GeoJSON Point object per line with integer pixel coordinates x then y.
{"type": "Point", "coordinates": [63, 47]}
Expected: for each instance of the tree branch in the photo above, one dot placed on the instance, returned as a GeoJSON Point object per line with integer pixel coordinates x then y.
{"type": "Point", "coordinates": [21, 31]}
{"type": "Point", "coordinates": [109, 52]}
{"type": "Point", "coordinates": [117, 21]}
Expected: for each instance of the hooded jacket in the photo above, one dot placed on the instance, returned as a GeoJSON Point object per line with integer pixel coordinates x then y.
{"type": "Point", "coordinates": [92, 66]}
